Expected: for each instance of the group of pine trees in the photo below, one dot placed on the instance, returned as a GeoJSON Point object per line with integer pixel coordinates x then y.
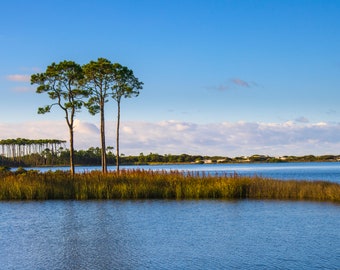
{"type": "Point", "coordinates": [72, 86]}
{"type": "Point", "coordinates": [17, 148]}
{"type": "Point", "coordinates": [21, 151]}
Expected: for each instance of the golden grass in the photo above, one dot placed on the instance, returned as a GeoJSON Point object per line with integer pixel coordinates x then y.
{"type": "Point", "coordinates": [142, 184]}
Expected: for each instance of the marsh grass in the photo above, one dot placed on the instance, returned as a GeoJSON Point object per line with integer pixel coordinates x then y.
{"type": "Point", "coordinates": [143, 184]}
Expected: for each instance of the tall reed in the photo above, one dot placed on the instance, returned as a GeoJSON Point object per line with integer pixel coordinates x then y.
{"type": "Point", "coordinates": [144, 184]}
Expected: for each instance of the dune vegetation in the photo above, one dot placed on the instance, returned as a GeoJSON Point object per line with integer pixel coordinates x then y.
{"type": "Point", "coordinates": [147, 184]}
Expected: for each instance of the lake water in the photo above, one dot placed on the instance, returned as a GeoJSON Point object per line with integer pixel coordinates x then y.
{"type": "Point", "coordinates": [328, 171]}
{"type": "Point", "coordinates": [169, 235]}
{"type": "Point", "coordinates": [155, 234]}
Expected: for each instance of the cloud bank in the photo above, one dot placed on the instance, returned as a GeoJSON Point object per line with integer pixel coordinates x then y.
{"type": "Point", "coordinates": [174, 137]}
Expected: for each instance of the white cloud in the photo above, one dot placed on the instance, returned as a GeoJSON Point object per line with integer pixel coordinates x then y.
{"type": "Point", "coordinates": [85, 128]}
{"type": "Point", "coordinates": [128, 130]}
{"type": "Point", "coordinates": [320, 124]}
{"type": "Point", "coordinates": [19, 78]}
{"type": "Point", "coordinates": [226, 139]}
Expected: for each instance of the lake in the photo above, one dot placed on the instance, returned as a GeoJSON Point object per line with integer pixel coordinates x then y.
{"type": "Point", "coordinates": [328, 171]}
{"type": "Point", "coordinates": [156, 234]}
{"type": "Point", "coordinates": [169, 235]}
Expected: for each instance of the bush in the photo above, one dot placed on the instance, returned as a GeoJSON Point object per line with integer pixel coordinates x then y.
{"type": "Point", "coordinates": [20, 170]}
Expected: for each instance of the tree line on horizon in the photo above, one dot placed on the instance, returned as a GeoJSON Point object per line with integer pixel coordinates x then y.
{"type": "Point", "coordinates": [16, 148]}
{"type": "Point", "coordinates": [92, 156]}
{"type": "Point", "coordinates": [72, 86]}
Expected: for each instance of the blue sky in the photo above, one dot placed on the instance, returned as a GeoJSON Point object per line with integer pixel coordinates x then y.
{"type": "Point", "coordinates": [220, 77]}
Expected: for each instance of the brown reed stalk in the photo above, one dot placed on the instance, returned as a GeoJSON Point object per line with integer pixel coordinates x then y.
{"type": "Point", "coordinates": [147, 184]}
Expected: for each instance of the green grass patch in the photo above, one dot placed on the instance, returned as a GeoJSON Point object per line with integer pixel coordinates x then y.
{"type": "Point", "coordinates": [143, 184]}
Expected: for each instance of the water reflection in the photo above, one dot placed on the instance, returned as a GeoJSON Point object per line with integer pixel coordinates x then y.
{"type": "Point", "coordinates": [169, 235]}
{"type": "Point", "coordinates": [95, 237]}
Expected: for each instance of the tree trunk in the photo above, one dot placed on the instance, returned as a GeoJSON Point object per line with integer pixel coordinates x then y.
{"type": "Point", "coordinates": [71, 151]}
{"type": "Point", "coordinates": [117, 136]}
{"type": "Point", "coordinates": [102, 136]}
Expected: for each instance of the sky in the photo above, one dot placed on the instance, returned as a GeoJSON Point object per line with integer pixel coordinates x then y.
{"type": "Point", "coordinates": [221, 77]}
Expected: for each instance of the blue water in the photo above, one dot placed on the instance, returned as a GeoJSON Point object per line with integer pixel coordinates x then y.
{"type": "Point", "coordinates": [152, 234]}
{"type": "Point", "coordinates": [327, 171]}
{"type": "Point", "coordinates": [169, 235]}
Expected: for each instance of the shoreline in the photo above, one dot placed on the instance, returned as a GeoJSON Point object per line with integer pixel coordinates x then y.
{"type": "Point", "coordinates": [155, 159]}
{"type": "Point", "coordinates": [170, 163]}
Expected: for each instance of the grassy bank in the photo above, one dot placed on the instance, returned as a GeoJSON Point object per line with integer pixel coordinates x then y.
{"type": "Point", "coordinates": [140, 184]}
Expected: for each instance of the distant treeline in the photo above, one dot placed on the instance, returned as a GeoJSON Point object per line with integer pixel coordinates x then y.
{"type": "Point", "coordinates": [92, 156]}
{"type": "Point", "coordinates": [15, 148]}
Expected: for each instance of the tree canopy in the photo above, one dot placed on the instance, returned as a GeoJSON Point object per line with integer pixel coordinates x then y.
{"type": "Point", "coordinates": [99, 80]}
{"type": "Point", "coordinates": [127, 86]}
{"type": "Point", "coordinates": [62, 83]}
{"type": "Point", "coordinates": [68, 84]}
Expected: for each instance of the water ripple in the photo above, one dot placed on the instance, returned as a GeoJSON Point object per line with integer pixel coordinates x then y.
{"type": "Point", "coordinates": [169, 235]}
